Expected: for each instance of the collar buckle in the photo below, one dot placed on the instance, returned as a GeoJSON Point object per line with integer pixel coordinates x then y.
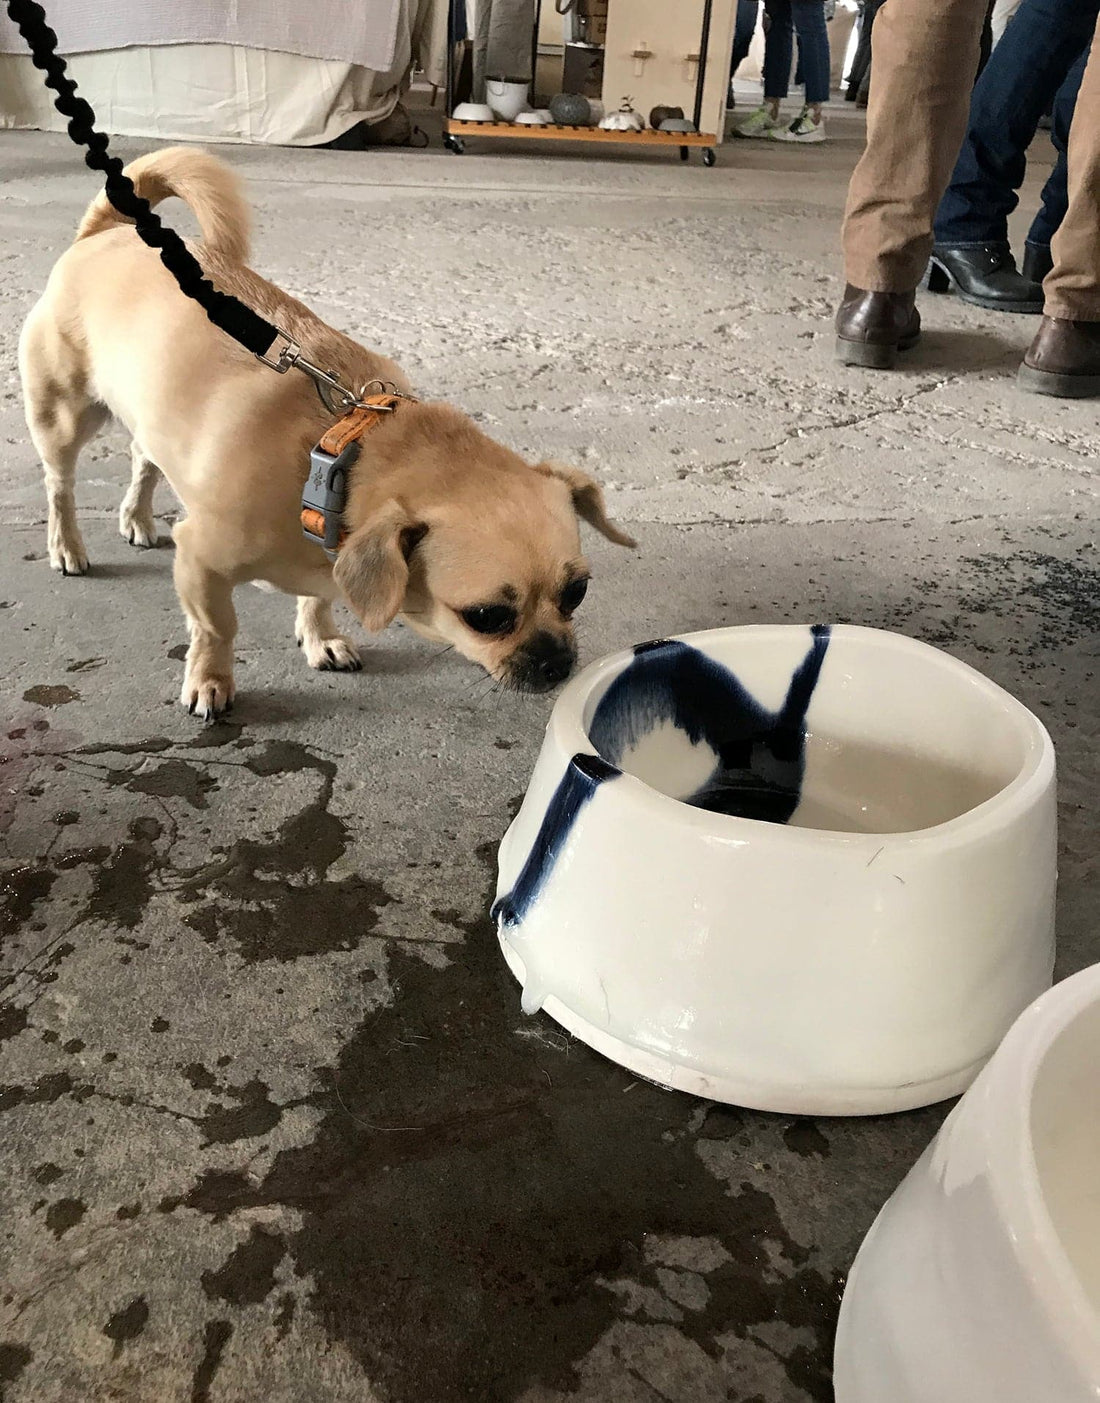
{"type": "Point", "coordinates": [325, 493]}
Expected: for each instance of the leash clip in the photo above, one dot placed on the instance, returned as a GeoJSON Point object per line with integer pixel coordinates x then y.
{"type": "Point", "coordinates": [289, 353]}
{"type": "Point", "coordinates": [334, 394]}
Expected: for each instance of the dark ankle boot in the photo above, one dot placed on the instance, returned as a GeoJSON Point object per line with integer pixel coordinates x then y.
{"type": "Point", "coordinates": [872, 327]}
{"type": "Point", "coordinates": [1063, 360]}
{"type": "Point", "coordinates": [986, 277]}
{"type": "Point", "coordinates": [1037, 261]}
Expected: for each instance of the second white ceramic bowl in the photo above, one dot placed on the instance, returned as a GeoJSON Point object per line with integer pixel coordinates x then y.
{"type": "Point", "coordinates": [980, 1280]}
{"type": "Point", "coordinates": [808, 871]}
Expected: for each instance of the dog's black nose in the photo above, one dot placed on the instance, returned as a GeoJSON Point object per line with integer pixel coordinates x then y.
{"type": "Point", "coordinates": [555, 670]}
{"type": "Point", "coordinates": [545, 663]}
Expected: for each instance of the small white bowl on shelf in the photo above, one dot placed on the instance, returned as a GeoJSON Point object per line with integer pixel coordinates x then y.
{"type": "Point", "coordinates": [806, 871]}
{"type": "Point", "coordinates": [473, 112]}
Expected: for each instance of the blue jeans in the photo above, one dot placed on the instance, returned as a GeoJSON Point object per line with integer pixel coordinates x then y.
{"type": "Point", "coordinates": [808, 18]}
{"type": "Point", "coordinates": [748, 12]}
{"type": "Point", "coordinates": [1055, 196]}
{"type": "Point", "coordinates": [1040, 59]}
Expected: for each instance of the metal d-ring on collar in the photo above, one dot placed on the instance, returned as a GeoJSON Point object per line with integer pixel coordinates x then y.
{"type": "Point", "coordinates": [334, 394]}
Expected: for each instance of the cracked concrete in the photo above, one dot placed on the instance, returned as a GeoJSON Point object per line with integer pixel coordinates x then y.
{"type": "Point", "coordinates": [273, 1123]}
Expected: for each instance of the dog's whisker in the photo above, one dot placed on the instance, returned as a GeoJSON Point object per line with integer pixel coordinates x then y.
{"type": "Point", "coordinates": [434, 657]}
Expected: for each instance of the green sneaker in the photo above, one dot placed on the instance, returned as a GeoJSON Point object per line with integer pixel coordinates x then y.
{"type": "Point", "coordinates": [758, 125]}
{"type": "Point", "coordinates": [804, 130]}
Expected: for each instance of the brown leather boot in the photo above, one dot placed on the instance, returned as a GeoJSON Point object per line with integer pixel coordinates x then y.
{"type": "Point", "coordinates": [1063, 360]}
{"type": "Point", "coordinates": [872, 327]}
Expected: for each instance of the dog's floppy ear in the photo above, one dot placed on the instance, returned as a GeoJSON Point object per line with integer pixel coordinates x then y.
{"type": "Point", "coordinates": [588, 501]}
{"type": "Point", "coordinates": [372, 568]}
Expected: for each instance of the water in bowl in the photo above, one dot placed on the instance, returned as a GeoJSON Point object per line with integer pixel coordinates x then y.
{"type": "Point", "coordinates": [843, 786]}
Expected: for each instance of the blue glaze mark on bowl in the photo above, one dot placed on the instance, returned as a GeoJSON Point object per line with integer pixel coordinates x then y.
{"type": "Point", "coordinates": [584, 775]}
{"type": "Point", "coordinates": [760, 754]}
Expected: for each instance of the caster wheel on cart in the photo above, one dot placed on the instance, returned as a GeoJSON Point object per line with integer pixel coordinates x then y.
{"type": "Point", "coordinates": [454, 144]}
{"type": "Point", "coordinates": [684, 153]}
{"type": "Point", "coordinates": [709, 158]}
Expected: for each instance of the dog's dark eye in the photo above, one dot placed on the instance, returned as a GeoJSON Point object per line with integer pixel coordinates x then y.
{"type": "Point", "coordinates": [572, 596]}
{"type": "Point", "coordinates": [495, 619]}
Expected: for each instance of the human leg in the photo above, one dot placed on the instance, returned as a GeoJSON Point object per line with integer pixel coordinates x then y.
{"type": "Point", "coordinates": [778, 52]}
{"type": "Point", "coordinates": [1064, 358]}
{"type": "Point", "coordinates": [925, 59]}
{"type": "Point", "coordinates": [813, 45]}
{"type": "Point", "coordinates": [1027, 69]}
{"type": "Point", "coordinates": [925, 56]}
{"type": "Point", "coordinates": [748, 12]}
{"type": "Point", "coordinates": [1055, 198]}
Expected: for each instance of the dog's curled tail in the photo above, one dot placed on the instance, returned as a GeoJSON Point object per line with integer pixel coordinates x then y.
{"type": "Point", "coordinates": [204, 183]}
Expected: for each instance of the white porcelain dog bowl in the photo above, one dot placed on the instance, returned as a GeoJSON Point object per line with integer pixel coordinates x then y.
{"type": "Point", "coordinates": [808, 871]}
{"type": "Point", "coordinates": [980, 1280]}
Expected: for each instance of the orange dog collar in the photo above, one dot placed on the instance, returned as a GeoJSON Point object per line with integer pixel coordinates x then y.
{"type": "Point", "coordinates": [325, 493]}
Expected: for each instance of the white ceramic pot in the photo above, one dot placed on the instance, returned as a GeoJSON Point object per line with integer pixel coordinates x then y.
{"type": "Point", "coordinates": [506, 99]}
{"type": "Point", "coordinates": [804, 871]}
{"type": "Point", "coordinates": [980, 1280]}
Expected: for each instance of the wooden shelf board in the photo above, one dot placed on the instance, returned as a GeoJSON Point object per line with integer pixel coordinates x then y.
{"type": "Point", "coordinates": [525, 133]}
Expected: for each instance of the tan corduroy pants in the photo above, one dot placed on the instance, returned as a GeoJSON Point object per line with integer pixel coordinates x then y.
{"type": "Point", "coordinates": [925, 58]}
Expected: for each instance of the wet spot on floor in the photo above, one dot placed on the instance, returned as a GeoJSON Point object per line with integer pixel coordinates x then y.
{"type": "Point", "coordinates": [467, 1115]}
{"type": "Point", "coordinates": [170, 779]}
{"type": "Point", "coordinates": [215, 1338]}
{"type": "Point", "coordinates": [64, 1214]}
{"type": "Point", "coordinates": [47, 1089]}
{"type": "Point", "coordinates": [248, 1274]}
{"type": "Point", "coordinates": [804, 1138]}
{"type": "Point", "coordinates": [13, 1360]}
{"type": "Point", "coordinates": [122, 876]}
{"type": "Point", "coordinates": [254, 1114]}
{"type": "Point", "coordinates": [274, 899]}
{"type": "Point", "coordinates": [199, 1077]}
{"type": "Point", "coordinates": [127, 1324]}
{"type": "Point", "coordinates": [284, 1316]}
{"type": "Point", "coordinates": [46, 695]}
{"type": "Point", "coordinates": [13, 1020]}
{"type": "Point", "coordinates": [21, 890]}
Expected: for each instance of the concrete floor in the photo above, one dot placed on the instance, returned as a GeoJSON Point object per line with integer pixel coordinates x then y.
{"type": "Point", "coordinates": [273, 1124]}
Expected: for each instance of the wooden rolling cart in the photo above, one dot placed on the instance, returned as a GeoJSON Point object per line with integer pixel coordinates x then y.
{"type": "Point", "coordinates": [456, 133]}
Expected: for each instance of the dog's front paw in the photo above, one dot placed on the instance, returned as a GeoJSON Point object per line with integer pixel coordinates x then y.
{"type": "Point", "coordinates": [207, 695]}
{"type": "Point", "coordinates": [137, 527]}
{"type": "Point", "coordinates": [336, 654]}
{"type": "Point", "coordinates": [67, 554]}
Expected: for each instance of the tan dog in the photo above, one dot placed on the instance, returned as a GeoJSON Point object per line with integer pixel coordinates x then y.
{"type": "Point", "coordinates": [474, 546]}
